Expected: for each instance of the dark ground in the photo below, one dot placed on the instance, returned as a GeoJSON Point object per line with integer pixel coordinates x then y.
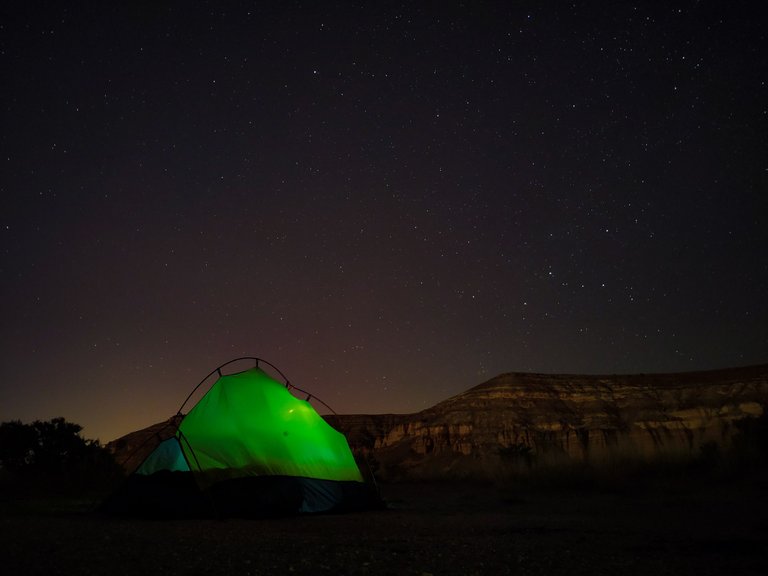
{"type": "Point", "coordinates": [428, 529]}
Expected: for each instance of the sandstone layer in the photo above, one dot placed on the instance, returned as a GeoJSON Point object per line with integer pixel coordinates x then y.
{"type": "Point", "coordinates": [519, 420]}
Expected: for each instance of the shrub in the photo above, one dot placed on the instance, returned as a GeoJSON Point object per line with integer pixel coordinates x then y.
{"type": "Point", "coordinates": [51, 457]}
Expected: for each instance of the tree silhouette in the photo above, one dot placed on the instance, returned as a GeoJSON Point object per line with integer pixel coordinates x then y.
{"type": "Point", "coordinates": [51, 456]}
{"type": "Point", "coordinates": [17, 446]}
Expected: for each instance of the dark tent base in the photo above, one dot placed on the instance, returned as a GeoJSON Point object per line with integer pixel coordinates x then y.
{"type": "Point", "coordinates": [168, 494]}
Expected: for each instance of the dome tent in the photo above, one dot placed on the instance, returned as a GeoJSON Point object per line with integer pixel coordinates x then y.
{"type": "Point", "coordinates": [248, 447]}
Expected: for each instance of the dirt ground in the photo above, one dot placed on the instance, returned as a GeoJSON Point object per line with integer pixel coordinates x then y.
{"type": "Point", "coordinates": [438, 529]}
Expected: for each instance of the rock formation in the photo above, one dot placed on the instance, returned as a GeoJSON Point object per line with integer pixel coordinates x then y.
{"type": "Point", "coordinates": [517, 420]}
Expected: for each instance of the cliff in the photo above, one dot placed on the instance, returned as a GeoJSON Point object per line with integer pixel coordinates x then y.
{"type": "Point", "coordinates": [517, 420]}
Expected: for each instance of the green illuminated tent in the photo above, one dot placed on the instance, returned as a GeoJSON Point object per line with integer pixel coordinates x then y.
{"type": "Point", "coordinates": [249, 447]}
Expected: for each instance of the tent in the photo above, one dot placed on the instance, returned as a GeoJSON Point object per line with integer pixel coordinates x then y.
{"type": "Point", "coordinates": [248, 447]}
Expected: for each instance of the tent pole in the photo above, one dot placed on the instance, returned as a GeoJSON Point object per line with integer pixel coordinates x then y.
{"type": "Point", "coordinates": [218, 371]}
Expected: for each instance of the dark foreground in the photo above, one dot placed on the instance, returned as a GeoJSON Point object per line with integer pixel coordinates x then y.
{"type": "Point", "coordinates": [429, 529]}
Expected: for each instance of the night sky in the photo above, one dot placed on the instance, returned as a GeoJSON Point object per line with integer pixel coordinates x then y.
{"type": "Point", "coordinates": [392, 202]}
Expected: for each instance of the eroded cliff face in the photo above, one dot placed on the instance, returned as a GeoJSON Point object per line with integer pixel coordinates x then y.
{"type": "Point", "coordinates": [517, 419]}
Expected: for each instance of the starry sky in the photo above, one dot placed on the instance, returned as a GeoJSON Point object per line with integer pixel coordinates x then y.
{"type": "Point", "coordinates": [390, 201]}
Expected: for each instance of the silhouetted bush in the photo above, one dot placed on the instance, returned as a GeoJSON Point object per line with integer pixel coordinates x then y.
{"type": "Point", "coordinates": [750, 444]}
{"type": "Point", "coordinates": [517, 454]}
{"type": "Point", "coordinates": [50, 457]}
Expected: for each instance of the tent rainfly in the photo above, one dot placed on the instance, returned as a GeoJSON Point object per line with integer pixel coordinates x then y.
{"type": "Point", "coordinates": [249, 447]}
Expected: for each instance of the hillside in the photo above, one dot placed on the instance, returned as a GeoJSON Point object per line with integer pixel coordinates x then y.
{"type": "Point", "coordinates": [517, 420]}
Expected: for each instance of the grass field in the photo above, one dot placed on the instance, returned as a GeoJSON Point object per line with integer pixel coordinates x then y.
{"type": "Point", "coordinates": [452, 528]}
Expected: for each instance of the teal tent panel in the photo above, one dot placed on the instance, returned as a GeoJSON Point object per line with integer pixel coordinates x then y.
{"type": "Point", "coordinates": [167, 456]}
